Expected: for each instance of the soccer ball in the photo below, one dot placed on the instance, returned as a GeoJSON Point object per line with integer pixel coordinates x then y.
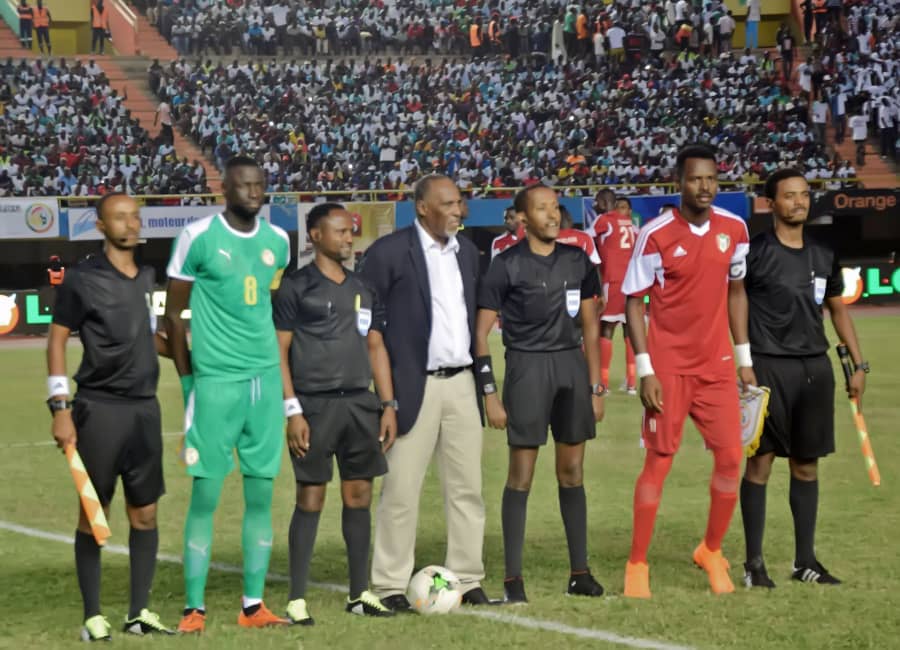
{"type": "Point", "coordinates": [434, 590]}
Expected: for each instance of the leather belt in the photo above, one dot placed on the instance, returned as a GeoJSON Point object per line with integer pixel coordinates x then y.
{"type": "Point", "coordinates": [445, 373]}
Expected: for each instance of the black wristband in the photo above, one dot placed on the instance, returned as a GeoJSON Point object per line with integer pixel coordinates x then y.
{"type": "Point", "coordinates": [484, 373]}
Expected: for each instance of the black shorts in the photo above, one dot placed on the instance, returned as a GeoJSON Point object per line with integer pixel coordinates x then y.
{"type": "Point", "coordinates": [801, 407]}
{"type": "Point", "coordinates": [547, 389]}
{"type": "Point", "coordinates": [344, 426]}
{"type": "Point", "coordinates": [119, 437]}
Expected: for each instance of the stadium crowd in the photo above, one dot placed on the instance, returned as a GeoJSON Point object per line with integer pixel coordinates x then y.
{"type": "Point", "coordinates": [65, 132]}
{"type": "Point", "coordinates": [381, 123]}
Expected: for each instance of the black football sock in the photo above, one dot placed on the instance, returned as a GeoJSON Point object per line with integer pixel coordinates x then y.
{"type": "Point", "coordinates": [804, 498]}
{"type": "Point", "coordinates": [87, 566]}
{"type": "Point", "coordinates": [573, 507]}
{"type": "Point", "coordinates": [356, 524]}
{"type": "Point", "coordinates": [753, 513]}
{"type": "Point", "coordinates": [142, 547]}
{"type": "Point", "coordinates": [513, 512]}
{"type": "Point", "coordinates": [301, 539]}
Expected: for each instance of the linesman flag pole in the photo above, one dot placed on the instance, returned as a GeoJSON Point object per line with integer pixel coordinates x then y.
{"type": "Point", "coordinates": [858, 419]}
{"type": "Point", "coordinates": [88, 495]}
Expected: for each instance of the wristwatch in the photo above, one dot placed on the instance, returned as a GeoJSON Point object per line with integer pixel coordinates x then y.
{"type": "Point", "coordinates": [864, 366]}
{"type": "Point", "coordinates": [599, 390]}
{"type": "Point", "coordinates": [489, 389]}
{"type": "Point", "coordinates": [391, 403]}
{"type": "Point", "coordinates": [56, 404]}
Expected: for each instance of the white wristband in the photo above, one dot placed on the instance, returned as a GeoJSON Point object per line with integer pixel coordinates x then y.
{"type": "Point", "coordinates": [644, 367]}
{"type": "Point", "coordinates": [57, 385]}
{"type": "Point", "coordinates": [742, 354]}
{"type": "Point", "coordinates": [292, 407]}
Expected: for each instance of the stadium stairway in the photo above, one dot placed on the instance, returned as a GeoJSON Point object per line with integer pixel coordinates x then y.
{"type": "Point", "coordinates": [10, 46]}
{"type": "Point", "coordinates": [876, 173]}
{"type": "Point", "coordinates": [150, 42]}
{"type": "Point", "coordinates": [128, 75]}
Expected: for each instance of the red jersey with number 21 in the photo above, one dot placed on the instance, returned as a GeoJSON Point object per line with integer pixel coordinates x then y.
{"type": "Point", "coordinates": [686, 270]}
{"type": "Point", "coordinates": [614, 235]}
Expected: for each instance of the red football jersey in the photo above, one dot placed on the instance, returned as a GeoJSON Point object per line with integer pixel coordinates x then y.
{"type": "Point", "coordinates": [506, 240]}
{"type": "Point", "coordinates": [685, 269]}
{"type": "Point", "coordinates": [615, 236]}
{"type": "Point", "coordinates": [579, 239]}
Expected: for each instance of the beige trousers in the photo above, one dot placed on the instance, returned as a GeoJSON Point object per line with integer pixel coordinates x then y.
{"type": "Point", "coordinates": [448, 427]}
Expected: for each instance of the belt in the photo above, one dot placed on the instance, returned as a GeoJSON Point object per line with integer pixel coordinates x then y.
{"type": "Point", "coordinates": [445, 373]}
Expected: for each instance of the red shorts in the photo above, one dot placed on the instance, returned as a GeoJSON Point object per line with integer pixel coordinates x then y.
{"type": "Point", "coordinates": [614, 312]}
{"type": "Point", "coordinates": [711, 401]}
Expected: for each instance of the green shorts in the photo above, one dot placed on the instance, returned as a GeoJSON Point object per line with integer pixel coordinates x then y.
{"type": "Point", "coordinates": [223, 415]}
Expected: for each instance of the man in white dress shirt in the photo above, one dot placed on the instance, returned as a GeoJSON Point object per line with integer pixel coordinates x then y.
{"type": "Point", "coordinates": [427, 277]}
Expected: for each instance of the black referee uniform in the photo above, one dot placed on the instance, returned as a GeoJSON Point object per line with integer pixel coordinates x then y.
{"type": "Point", "coordinates": [331, 373]}
{"type": "Point", "coordinates": [547, 384]}
{"type": "Point", "coordinates": [547, 381]}
{"type": "Point", "coordinates": [115, 412]}
{"type": "Point", "coordinates": [785, 290]}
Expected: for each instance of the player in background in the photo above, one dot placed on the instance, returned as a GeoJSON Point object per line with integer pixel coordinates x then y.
{"type": "Point", "coordinates": [329, 323]}
{"type": "Point", "coordinates": [512, 221]}
{"type": "Point", "coordinates": [114, 420]}
{"type": "Point", "coordinates": [790, 276]}
{"type": "Point", "coordinates": [692, 262]}
{"type": "Point", "coordinates": [546, 293]}
{"type": "Point", "coordinates": [623, 207]}
{"type": "Point", "coordinates": [223, 266]}
{"type": "Point", "coordinates": [614, 235]}
{"type": "Point", "coordinates": [573, 237]}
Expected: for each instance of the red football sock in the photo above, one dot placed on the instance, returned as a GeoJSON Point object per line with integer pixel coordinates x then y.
{"type": "Point", "coordinates": [723, 490]}
{"type": "Point", "coordinates": [606, 349]}
{"type": "Point", "coordinates": [630, 367]}
{"type": "Point", "coordinates": [647, 492]}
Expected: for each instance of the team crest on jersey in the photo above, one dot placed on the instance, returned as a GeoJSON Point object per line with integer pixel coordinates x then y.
{"type": "Point", "coordinates": [268, 257]}
{"type": "Point", "coordinates": [363, 321]}
{"type": "Point", "coordinates": [573, 301]}
{"type": "Point", "coordinates": [723, 241]}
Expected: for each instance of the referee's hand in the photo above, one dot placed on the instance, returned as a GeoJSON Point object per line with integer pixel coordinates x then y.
{"type": "Point", "coordinates": [63, 429]}
{"type": "Point", "coordinates": [298, 435]}
{"type": "Point", "coordinates": [651, 393]}
{"type": "Point", "coordinates": [855, 387]}
{"type": "Point", "coordinates": [496, 414]}
{"type": "Point", "coordinates": [387, 433]}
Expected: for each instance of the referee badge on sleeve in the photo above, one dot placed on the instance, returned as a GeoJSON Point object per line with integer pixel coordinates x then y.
{"type": "Point", "coordinates": [573, 301]}
{"type": "Point", "coordinates": [363, 321]}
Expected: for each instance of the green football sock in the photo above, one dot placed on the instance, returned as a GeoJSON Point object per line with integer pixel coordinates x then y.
{"type": "Point", "coordinates": [256, 538]}
{"type": "Point", "coordinates": [198, 537]}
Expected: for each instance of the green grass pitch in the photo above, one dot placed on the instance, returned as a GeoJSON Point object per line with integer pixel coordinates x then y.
{"type": "Point", "coordinates": [859, 526]}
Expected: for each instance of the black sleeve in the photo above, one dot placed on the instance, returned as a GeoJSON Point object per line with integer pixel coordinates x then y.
{"type": "Point", "coordinates": [69, 310]}
{"type": "Point", "coordinates": [285, 305]}
{"type": "Point", "coordinates": [494, 286]}
{"type": "Point", "coordinates": [835, 286]}
{"type": "Point", "coordinates": [590, 284]}
{"type": "Point", "coordinates": [379, 312]}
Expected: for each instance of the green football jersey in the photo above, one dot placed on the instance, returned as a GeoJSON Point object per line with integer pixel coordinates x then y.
{"type": "Point", "coordinates": [232, 332]}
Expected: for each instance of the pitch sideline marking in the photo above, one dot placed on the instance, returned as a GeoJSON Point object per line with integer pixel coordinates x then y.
{"type": "Point", "coordinates": [509, 619]}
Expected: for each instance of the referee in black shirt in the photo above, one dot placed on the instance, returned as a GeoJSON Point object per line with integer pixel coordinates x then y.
{"type": "Point", "coordinates": [329, 324]}
{"type": "Point", "coordinates": [790, 276]}
{"type": "Point", "coordinates": [115, 419]}
{"type": "Point", "coordinates": [546, 294]}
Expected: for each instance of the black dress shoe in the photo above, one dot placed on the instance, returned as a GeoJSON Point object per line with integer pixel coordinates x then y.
{"type": "Point", "coordinates": [476, 596]}
{"type": "Point", "coordinates": [398, 603]}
